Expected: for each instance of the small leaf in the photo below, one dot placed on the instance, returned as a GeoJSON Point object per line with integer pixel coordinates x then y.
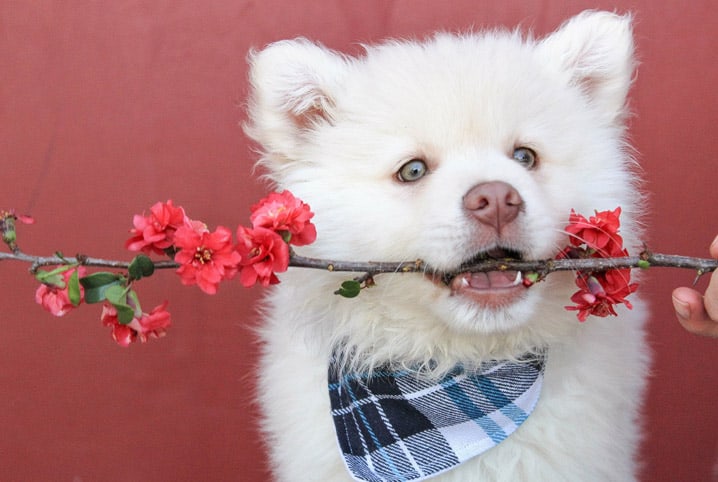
{"type": "Point", "coordinates": [134, 302]}
{"type": "Point", "coordinates": [117, 296]}
{"type": "Point", "coordinates": [73, 289]}
{"type": "Point", "coordinates": [125, 314]}
{"type": "Point", "coordinates": [286, 236]}
{"type": "Point", "coordinates": [50, 279]}
{"type": "Point", "coordinates": [54, 277]}
{"type": "Point", "coordinates": [102, 278]}
{"type": "Point", "coordinates": [530, 279]}
{"type": "Point", "coordinates": [140, 267]}
{"type": "Point", "coordinates": [349, 289]}
{"type": "Point", "coordinates": [97, 284]}
{"type": "Point", "coordinates": [643, 264]}
{"type": "Point", "coordinates": [97, 295]}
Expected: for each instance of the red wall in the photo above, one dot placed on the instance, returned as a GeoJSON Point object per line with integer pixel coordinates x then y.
{"type": "Point", "coordinates": [107, 107]}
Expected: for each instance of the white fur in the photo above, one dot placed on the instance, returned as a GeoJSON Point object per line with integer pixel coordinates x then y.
{"type": "Point", "coordinates": [335, 130]}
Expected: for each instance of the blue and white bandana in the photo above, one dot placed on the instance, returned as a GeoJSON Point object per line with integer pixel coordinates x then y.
{"type": "Point", "coordinates": [395, 426]}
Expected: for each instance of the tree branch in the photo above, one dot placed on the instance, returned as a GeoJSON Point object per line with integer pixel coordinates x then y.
{"type": "Point", "coordinates": [37, 262]}
{"type": "Point", "coordinates": [542, 267]}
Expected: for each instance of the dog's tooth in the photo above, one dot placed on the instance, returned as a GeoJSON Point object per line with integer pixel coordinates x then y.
{"type": "Point", "coordinates": [459, 283]}
{"type": "Point", "coordinates": [518, 280]}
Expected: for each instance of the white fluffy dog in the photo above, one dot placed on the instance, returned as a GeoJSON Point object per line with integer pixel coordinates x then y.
{"type": "Point", "coordinates": [444, 150]}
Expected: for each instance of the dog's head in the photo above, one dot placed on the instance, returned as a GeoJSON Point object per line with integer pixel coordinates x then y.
{"type": "Point", "coordinates": [451, 150]}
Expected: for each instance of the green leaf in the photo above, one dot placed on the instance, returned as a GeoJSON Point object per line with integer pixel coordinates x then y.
{"type": "Point", "coordinates": [117, 295]}
{"type": "Point", "coordinates": [140, 267]}
{"type": "Point", "coordinates": [349, 289]}
{"type": "Point", "coordinates": [50, 279]}
{"type": "Point", "coordinates": [102, 278]}
{"type": "Point", "coordinates": [97, 295]}
{"type": "Point", "coordinates": [125, 314]}
{"type": "Point", "coordinates": [97, 284]}
{"type": "Point", "coordinates": [134, 302]}
{"type": "Point", "coordinates": [73, 289]}
{"type": "Point", "coordinates": [286, 236]}
{"type": "Point", "coordinates": [643, 264]}
{"type": "Point", "coordinates": [54, 277]}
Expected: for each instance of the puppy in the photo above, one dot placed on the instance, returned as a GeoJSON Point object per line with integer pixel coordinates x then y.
{"type": "Point", "coordinates": [449, 150]}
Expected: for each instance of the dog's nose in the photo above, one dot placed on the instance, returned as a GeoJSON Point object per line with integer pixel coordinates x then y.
{"type": "Point", "coordinates": [494, 203]}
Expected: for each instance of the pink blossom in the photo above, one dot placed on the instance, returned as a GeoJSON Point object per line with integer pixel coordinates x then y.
{"type": "Point", "coordinates": [56, 298]}
{"type": "Point", "coordinates": [25, 219]}
{"type": "Point", "coordinates": [599, 292]}
{"type": "Point", "coordinates": [205, 258]}
{"type": "Point", "coordinates": [599, 232]}
{"type": "Point", "coordinates": [155, 231]}
{"type": "Point", "coordinates": [597, 237]}
{"type": "Point", "coordinates": [148, 325]}
{"type": "Point", "coordinates": [264, 253]}
{"type": "Point", "coordinates": [284, 213]}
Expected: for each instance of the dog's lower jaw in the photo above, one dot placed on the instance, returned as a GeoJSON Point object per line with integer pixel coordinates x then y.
{"type": "Point", "coordinates": [497, 302]}
{"type": "Point", "coordinates": [497, 313]}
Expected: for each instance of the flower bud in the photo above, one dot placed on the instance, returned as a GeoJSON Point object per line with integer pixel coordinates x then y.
{"type": "Point", "coordinates": [7, 226]}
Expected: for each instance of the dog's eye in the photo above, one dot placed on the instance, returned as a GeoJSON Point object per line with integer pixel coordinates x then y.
{"type": "Point", "coordinates": [412, 171]}
{"type": "Point", "coordinates": [525, 156]}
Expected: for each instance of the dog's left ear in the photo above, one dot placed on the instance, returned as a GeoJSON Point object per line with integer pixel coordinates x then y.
{"type": "Point", "coordinates": [594, 51]}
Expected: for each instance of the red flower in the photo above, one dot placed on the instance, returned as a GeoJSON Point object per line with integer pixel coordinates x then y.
{"type": "Point", "coordinates": [284, 213]}
{"type": "Point", "coordinates": [599, 233]}
{"type": "Point", "coordinates": [122, 334]}
{"type": "Point", "coordinates": [264, 253]}
{"type": "Point", "coordinates": [152, 324]}
{"type": "Point", "coordinates": [148, 325]}
{"type": "Point", "coordinates": [55, 298]}
{"type": "Point", "coordinates": [600, 291]}
{"type": "Point", "coordinates": [205, 258]}
{"type": "Point", "coordinates": [598, 237]}
{"type": "Point", "coordinates": [155, 232]}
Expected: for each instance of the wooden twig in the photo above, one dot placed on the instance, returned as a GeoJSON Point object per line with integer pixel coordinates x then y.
{"type": "Point", "coordinates": [542, 267]}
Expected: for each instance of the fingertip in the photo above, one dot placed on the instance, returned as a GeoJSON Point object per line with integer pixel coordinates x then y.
{"type": "Point", "coordinates": [714, 248]}
{"type": "Point", "coordinates": [681, 307]}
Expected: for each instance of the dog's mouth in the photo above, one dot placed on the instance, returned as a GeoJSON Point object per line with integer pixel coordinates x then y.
{"type": "Point", "coordinates": [488, 288]}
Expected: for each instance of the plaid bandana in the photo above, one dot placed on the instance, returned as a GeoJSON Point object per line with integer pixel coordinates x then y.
{"type": "Point", "coordinates": [395, 426]}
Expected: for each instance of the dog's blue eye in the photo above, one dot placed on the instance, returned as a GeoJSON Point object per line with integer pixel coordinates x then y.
{"type": "Point", "coordinates": [525, 156]}
{"type": "Point", "coordinates": [412, 171]}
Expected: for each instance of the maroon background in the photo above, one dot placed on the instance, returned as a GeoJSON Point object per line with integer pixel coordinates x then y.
{"type": "Point", "coordinates": [107, 107]}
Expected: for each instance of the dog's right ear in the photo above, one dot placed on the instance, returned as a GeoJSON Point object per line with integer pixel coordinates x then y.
{"type": "Point", "coordinates": [594, 51]}
{"type": "Point", "coordinates": [294, 84]}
